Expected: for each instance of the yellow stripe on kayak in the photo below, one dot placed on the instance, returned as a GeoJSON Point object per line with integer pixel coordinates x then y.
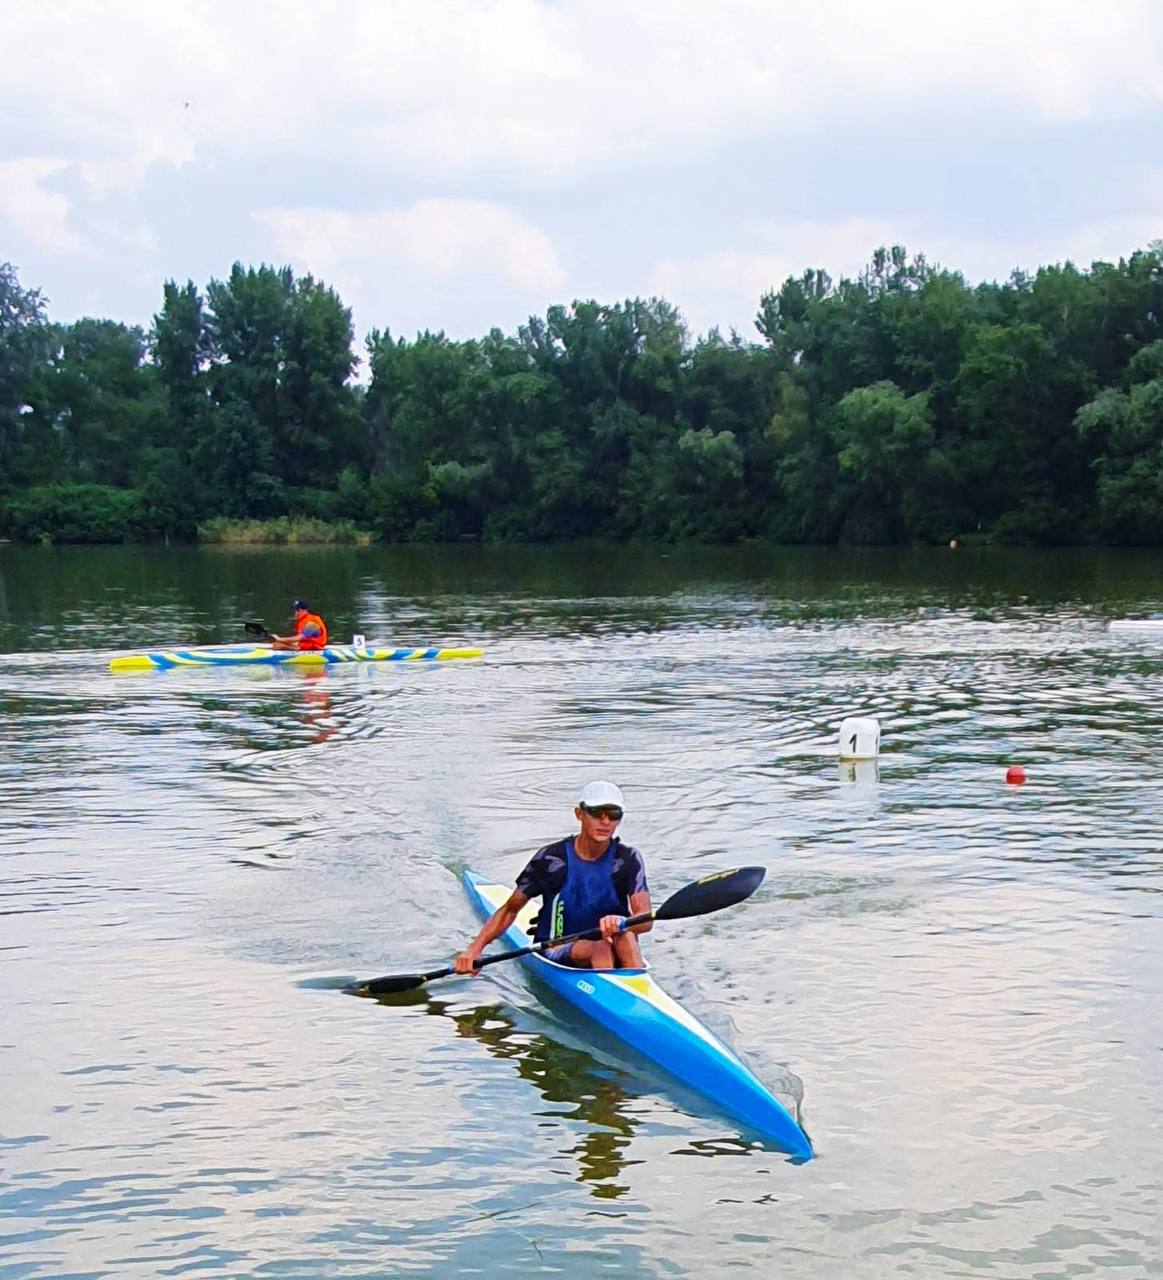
{"type": "Point", "coordinates": [336, 655]}
{"type": "Point", "coordinates": [137, 662]}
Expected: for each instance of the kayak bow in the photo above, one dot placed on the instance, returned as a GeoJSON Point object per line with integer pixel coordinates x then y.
{"type": "Point", "coordinates": [234, 655]}
{"type": "Point", "coordinates": [631, 1005]}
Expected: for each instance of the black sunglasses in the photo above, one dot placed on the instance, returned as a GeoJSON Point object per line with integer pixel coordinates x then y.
{"type": "Point", "coordinates": [610, 811]}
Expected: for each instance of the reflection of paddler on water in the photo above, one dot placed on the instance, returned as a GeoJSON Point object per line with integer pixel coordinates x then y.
{"type": "Point", "coordinates": [310, 630]}
{"type": "Point", "coordinates": [563, 1074]}
{"type": "Point", "coordinates": [317, 698]}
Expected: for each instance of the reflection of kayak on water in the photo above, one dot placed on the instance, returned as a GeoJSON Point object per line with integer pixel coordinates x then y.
{"type": "Point", "coordinates": [631, 1005]}
{"type": "Point", "coordinates": [247, 655]}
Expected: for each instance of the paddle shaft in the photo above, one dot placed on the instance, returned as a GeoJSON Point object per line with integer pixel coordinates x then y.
{"type": "Point", "coordinates": [711, 893]}
{"type": "Point", "coordinates": [385, 985]}
{"type": "Point", "coordinates": [539, 948]}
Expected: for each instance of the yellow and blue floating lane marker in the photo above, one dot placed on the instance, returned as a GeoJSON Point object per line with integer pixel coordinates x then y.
{"type": "Point", "coordinates": [263, 655]}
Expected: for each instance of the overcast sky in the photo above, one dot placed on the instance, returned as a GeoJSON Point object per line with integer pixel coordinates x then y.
{"type": "Point", "coordinates": [456, 165]}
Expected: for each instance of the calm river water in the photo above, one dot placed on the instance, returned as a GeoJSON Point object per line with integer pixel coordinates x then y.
{"type": "Point", "coordinates": [957, 981]}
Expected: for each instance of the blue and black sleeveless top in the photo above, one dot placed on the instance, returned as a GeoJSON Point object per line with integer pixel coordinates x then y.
{"type": "Point", "coordinates": [575, 892]}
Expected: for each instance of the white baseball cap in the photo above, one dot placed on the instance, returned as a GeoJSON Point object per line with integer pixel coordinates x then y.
{"type": "Point", "coordinates": [596, 794]}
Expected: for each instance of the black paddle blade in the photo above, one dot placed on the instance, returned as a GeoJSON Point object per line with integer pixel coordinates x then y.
{"type": "Point", "coordinates": [255, 629]}
{"type": "Point", "coordinates": [712, 893]}
{"type": "Point", "coordinates": [391, 985]}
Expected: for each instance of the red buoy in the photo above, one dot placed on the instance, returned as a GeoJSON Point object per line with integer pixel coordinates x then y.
{"type": "Point", "coordinates": [1015, 773]}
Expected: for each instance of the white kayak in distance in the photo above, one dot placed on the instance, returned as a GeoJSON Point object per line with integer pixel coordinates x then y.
{"type": "Point", "coordinates": [250, 655]}
{"type": "Point", "coordinates": [1137, 627]}
{"type": "Point", "coordinates": [632, 1006]}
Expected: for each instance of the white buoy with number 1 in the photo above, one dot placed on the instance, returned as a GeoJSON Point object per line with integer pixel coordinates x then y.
{"type": "Point", "coordinates": [859, 738]}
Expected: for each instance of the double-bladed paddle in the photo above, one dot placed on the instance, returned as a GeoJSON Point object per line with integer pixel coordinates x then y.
{"type": "Point", "coordinates": [700, 898]}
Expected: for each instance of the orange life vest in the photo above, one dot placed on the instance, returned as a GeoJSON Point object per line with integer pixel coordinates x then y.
{"type": "Point", "coordinates": [311, 642]}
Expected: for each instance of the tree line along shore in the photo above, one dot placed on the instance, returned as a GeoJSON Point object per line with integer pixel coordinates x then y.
{"type": "Point", "coordinates": [904, 405]}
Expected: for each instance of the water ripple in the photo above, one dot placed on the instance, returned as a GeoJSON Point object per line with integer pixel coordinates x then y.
{"type": "Point", "coordinates": [956, 981]}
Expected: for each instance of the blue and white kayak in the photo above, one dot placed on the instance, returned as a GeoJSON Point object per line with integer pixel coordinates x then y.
{"type": "Point", "coordinates": [631, 1005]}
{"type": "Point", "coordinates": [250, 655]}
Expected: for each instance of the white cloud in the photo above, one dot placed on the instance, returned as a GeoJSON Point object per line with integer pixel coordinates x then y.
{"type": "Point", "coordinates": [439, 236]}
{"type": "Point", "coordinates": [1106, 240]}
{"type": "Point", "coordinates": [723, 287]}
{"type": "Point", "coordinates": [39, 214]}
{"type": "Point", "coordinates": [1068, 59]}
{"type": "Point", "coordinates": [363, 254]}
{"type": "Point", "coordinates": [468, 125]}
{"type": "Point", "coordinates": [786, 249]}
{"type": "Point", "coordinates": [542, 91]}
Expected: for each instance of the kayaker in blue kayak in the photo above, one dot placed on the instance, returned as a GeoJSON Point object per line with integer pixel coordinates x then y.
{"type": "Point", "coordinates": [586, 881]}
{"type": "Point", "coordinates": [310, 630]}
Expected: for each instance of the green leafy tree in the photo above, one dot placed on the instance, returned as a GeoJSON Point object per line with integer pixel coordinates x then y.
{"type": "Point", "coordinates": [1019, 454]}
{"type": "Point", "coordinates": [24, 350]}
{"type": "Point", "coordinates": [237, 457]}
{"type": "Point", "coordinates": [1146, 364]}
{"type": "Point", "coordinates": [182, 353]}
{"type": "Point", "coordinates": [1125, 430]}
{"type": "Point", "coordinates": [800, 464]}
{"type": "Point", "coordinates": [784, 317]}
{"type": "Point", "coordinates": [897, 405]}
{"type": "Point", "coordinates": [106, 402]}
{"type": "Point", "coordinates": [884, 446]}
{"type": "Point", "coordinates": [707, 487]}
{"type": "Point", "coordinates": [283, 348]}
{"type": "Point", "coordinates": [74, 513]}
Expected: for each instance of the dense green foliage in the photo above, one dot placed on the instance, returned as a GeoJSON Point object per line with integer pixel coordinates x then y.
{"type": "Point", "coordinates": [900, 406]}
{"type": "Point", "coordinates": [285, 531]}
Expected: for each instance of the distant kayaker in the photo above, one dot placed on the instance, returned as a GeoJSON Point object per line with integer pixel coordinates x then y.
{"type": "Point", "coordinates": [586, 881]}
{"type": "Point", "coordinates": [310, 630]}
